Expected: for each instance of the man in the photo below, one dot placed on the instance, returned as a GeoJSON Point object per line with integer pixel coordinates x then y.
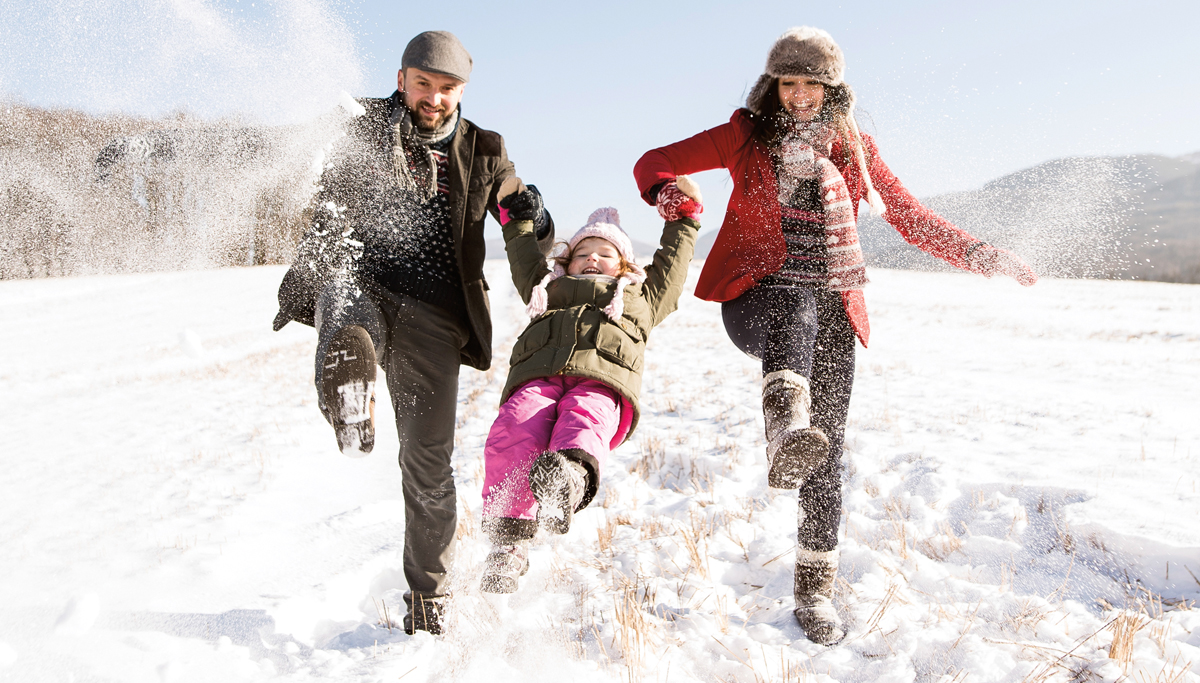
{"type": "Point", "coordinates": [391, 269]}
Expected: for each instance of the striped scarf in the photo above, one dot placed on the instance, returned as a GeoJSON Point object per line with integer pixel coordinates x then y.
{"type": "Point", "coordinates": [803, 153]}
{"type": "Point", "coordinates": [415, 160]}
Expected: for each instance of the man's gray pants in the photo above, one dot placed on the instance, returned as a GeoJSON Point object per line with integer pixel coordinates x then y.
{"type": "Point", "coordinates": [418, 347]}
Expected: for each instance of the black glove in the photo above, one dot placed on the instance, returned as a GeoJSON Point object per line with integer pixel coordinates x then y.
{"type": "Point", "coordinates": [524, 206]}
{"type": "Point", "coordinates": [527, 206]}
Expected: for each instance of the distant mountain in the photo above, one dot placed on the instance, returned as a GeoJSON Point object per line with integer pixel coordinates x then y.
{"type": "Point", "coordinates": [1134, 217]}
{"type": "Point", "coordinates": [705, 243]}
{"type": "Point", "coordinates": [1170, 224]}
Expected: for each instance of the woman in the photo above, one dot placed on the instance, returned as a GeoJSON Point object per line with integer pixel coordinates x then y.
{"type": "Point", "coordinates": [789, 272]}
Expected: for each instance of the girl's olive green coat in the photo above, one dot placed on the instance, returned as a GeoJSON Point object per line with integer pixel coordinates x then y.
{"type": "Point", "coordinates": [574, 337]}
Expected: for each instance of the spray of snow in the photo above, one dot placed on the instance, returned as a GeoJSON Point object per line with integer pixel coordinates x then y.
{"type": "Point", "coordinates": [1066, 218]}
{"type": "Point", "coordinates": [247, 104]}
{"type": "Point", "coordinates": [282, 62]}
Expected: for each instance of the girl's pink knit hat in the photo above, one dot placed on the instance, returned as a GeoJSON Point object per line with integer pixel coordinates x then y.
{"type": "Point", "coordinates": [604, 223]}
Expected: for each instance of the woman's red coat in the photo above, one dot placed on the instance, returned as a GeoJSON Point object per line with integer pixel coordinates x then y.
{"type": "Point", "coordinates": [750, 244]}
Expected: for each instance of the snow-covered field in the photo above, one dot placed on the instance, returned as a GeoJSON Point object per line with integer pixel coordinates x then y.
{"type": "Point", "coordinates": [1021, 499]}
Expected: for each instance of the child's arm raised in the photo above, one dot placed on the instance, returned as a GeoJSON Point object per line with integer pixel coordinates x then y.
{"type": "Point", "coordinates": [520, 209]}
{"type": "Point", "coordinates": [679, 202]}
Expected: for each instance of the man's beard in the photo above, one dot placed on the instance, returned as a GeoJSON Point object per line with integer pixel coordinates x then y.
{"type": "Point", "coordinates": [429, 125]}
{"type": "Point", "coordinates": [419, 119]}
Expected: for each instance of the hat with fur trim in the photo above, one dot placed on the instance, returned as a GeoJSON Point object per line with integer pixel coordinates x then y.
{"type": "Point", "coordinates": [604, 223]}
{"type": "Point", "coordinates": [801, 51]}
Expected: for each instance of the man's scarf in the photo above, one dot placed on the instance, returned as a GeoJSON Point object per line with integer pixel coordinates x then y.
{"type": "Point", "coordinates": [415, 164]}
{"type": "Point", "coordinates": [803, 153]}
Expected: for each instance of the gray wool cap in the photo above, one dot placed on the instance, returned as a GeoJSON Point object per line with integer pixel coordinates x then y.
{"type": "Point", "coordinates": [438, 52]}
{"type": "Point", "coordinates": [801, 51]}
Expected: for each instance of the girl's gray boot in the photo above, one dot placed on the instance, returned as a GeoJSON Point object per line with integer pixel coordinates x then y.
{"type": "Point", "coordinates": [505, 565]}
{"type": "Point", "coordinates": [559, 485]}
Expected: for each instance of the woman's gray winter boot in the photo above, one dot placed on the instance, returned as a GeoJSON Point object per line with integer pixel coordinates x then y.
{"type": "Point", "coordinates": [815, 574]}
{"type": "Point", "coordinates": [558, 484]}
{"type": "Point", "coordinates": [794, 446]}
{"type": "Point", "coordinates": [505, 565]}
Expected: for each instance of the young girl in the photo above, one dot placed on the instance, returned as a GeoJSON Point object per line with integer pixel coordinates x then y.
{"type": "Point", "coordinates": [576, 370]}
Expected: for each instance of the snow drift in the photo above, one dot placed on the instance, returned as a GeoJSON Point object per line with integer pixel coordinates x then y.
{"type": "Point", "coordinates": [1021, 496]}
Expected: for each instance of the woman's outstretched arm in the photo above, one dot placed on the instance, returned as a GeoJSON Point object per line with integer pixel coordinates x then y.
{"type": "Point", "coordinates": [929, 232]}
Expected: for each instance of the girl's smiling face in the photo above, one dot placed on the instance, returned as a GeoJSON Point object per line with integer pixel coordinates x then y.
{"type": "Point", "coordinates": [594, 256]}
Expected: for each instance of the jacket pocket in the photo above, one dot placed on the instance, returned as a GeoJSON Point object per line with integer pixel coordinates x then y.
{"type": "Point", "coordinates": [534, 338]}
{"type": "Point", "coordinates": [615, 345]}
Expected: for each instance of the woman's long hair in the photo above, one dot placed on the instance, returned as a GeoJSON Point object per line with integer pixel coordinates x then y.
{"type": "Point", "coordinates": [836, 108]}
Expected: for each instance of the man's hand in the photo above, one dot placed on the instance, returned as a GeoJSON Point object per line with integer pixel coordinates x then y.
{"type": "Point", "coordinates": [519, 202]}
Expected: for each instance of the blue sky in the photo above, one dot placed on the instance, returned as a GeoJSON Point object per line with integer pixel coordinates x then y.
{"type": "Point", "coordinates": [956, 93]}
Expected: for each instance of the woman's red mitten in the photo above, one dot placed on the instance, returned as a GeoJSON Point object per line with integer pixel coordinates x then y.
{"type": "Point", "coordinates": [1011, 265]}
{"type": "Point", "coordinates": [990, 261]}
{"type": "Point", "coordinates": [679, 198]}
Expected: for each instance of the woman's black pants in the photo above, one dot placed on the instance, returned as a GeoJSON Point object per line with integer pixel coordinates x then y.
{"type": "Point", "coordinates": [805, 330]}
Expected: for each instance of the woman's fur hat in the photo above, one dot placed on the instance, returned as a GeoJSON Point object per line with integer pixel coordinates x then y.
{"type": "Point", "coordinates": [809, 52]}
{"type": "Point", "coordinates": [604, 223]}
{"type": "Point", "coordinates": [801, 51]}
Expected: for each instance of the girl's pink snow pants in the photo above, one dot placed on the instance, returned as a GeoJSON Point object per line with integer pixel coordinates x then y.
{"type": "Point", "coordinates": [546, 414]}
